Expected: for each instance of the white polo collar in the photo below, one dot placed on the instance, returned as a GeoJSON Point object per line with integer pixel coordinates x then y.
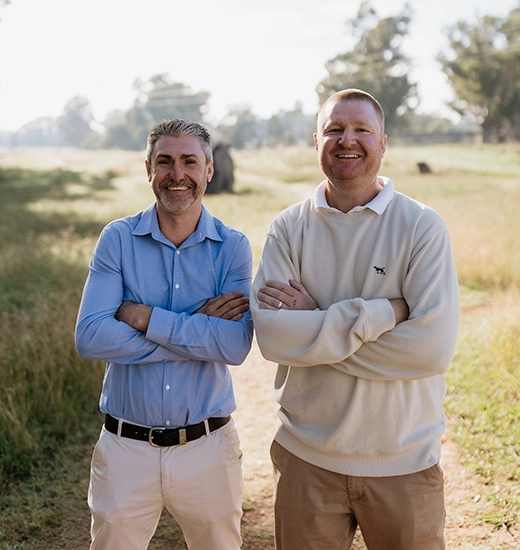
{"type": "Point", "coordinates": [378, 204]}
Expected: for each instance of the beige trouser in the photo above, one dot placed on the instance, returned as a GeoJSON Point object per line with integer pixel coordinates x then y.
{"type": "Point", "coordinates": [316, 509]}
{"type": "Point", "coordinates": [199, 483]}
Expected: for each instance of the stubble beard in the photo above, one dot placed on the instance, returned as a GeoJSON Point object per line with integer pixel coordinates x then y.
{"type": "Point", "coordinates": [178, 201]}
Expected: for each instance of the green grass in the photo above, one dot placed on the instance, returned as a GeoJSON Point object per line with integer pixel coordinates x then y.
{"type": "Point", "coordinates": [52, 213]}
{"type": "Point", "coordinates": [484, 397]}
{"type": "Point", "coordinates": [45, 389]}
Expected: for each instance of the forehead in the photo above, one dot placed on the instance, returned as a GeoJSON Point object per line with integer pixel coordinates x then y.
{"type": "Point", "coordinates": [176, 146]}
{"type": "Point", "coordinates": [358, 111]}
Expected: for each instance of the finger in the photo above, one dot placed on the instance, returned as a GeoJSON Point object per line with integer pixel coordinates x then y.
{"type": "Point", "coordinates": [238, 303]}
{"type": "Point", "coordinates": [275, 284]}
{"type": "Point", "coordinates": [224, 300]}
{"type": "Point", "coordinates": [235, 306]}
{"type": "Point", "coordinates": [228, 297]}
{"type": "Point", "coordinates": [265, 304]}
{"type": "Point", "coordinates": [236, 313]}
{"type": "Point", "coordinates": [280, 292]}
{"type": "Point", "coordinates": [278, 289]}
{"type": "Point", "coordinates": [266, 295]}
{"type": "Point", "coordinates": [298, 286]}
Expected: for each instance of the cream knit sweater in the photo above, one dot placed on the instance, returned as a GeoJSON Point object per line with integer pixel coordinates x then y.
{"type": "Point", "coordinates": [357, 394]}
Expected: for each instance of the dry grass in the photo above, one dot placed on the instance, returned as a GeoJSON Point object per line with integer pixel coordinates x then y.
{"type": "Point", "coordinates": [48, 228]}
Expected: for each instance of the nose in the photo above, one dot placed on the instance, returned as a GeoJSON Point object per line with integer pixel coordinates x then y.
{"type": "Point", "coordinates": [176, 172]}
{"type": "Point", "coordinates": [347, 136]}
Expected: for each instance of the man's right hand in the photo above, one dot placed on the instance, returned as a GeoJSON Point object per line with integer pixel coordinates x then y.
{"type": "Point", "coordinates": [401, 310]}
{"type": "Point", "coordinates": [136, 315]}
{"type": "Point", "coordinates": [228, 306]}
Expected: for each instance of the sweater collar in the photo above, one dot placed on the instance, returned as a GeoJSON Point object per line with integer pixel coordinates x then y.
{"type": "Point", "coordinates": [378, 204]}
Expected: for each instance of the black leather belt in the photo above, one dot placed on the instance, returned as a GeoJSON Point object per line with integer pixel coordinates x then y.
{"type": "Point", "coordinates": [164, 437]}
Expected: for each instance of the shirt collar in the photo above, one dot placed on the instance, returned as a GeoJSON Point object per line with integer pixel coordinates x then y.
{"type": "Point", "coordinates": [378, 204]}
{"type": "Point", "coordinates": [149, 225]}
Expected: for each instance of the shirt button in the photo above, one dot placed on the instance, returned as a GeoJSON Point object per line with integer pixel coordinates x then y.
{"type": "Point", "coordinates": [177, 252]}
{"type": "Point", "coordinates": [168, 387]}
{"type": "Point", "coordinates": [167, 422]}
{"type": "Point", "coordinates": [177, 285]}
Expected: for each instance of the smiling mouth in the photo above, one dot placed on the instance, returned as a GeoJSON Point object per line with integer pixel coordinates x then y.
{"type": "Point", "coordinates": [348, 156]}
{"type": "Point", "coordinates": [177, 188]}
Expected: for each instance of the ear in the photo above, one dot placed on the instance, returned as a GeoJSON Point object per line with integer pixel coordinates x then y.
{"type": "Point", "coordinates": [383, 144]}
{"type": "Point", "coordinates": [210, 170]}
{"type": "Point", "coordinates": [148, 170]}
{"type": "Point", "coordinates": [315, 137]}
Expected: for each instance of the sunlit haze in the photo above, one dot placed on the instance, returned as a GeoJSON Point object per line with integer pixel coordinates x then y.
{"type": "Point", "coordinates": [269, 54]}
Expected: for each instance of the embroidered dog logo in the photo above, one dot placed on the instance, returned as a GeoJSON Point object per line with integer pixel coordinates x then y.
{"type": "Point", "coordinates": [379, 270]}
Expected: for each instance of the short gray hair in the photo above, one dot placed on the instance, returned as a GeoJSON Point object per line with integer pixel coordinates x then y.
{"type": "Point", "coordinates": [178, 128]}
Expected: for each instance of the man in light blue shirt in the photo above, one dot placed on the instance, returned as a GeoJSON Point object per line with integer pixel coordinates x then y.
{"type": "Point", "coordinates": [166, 305]}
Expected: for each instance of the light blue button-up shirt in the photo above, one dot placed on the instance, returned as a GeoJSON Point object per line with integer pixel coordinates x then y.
{"type": "Point", "coordinates": [175, 374]}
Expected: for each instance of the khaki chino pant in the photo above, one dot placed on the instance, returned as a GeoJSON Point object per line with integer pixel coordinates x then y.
{"type": "Point", "coordinates": [200, 484]}
{"type": "Point", "coordinates": [316, 509]}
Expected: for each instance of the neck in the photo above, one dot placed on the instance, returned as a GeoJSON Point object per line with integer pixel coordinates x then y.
{"type": "Point", "coordinates": [178, 226]}
{"type": "Point", "coordinates": [345, 199]}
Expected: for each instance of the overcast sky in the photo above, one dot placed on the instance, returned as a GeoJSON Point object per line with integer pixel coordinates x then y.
{"type": "Point", "coordinates": [269, 54]}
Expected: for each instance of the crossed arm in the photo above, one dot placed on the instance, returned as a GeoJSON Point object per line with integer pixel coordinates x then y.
{"type": "Point", "coordinates": [293, 296]}
{"type": "Point", "coordinates": [406, 338]}
{"type": "Point", "coordinates": [230, 306]}
{"type": "Point", "coordinates": [110, 327]}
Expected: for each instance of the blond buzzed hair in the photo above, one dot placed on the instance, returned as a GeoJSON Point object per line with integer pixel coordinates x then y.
{"type": "Point", "coordinates": [351, 94]}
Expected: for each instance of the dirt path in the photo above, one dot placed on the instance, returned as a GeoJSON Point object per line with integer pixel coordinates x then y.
{"type": "Point", "coordinates": [466, 509]}
{"type": "Point", "coordinates": [466, 528]}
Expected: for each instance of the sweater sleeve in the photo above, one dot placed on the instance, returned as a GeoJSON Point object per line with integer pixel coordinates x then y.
{"type": "Point", "coordinates": [309, 338]}
{"type": "Point", "coordinates": [359, 336]}
{"type": "Point", "coordinates": [424, 345]}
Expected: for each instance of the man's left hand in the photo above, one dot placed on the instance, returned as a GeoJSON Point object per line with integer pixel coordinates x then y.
{"type": "Point", "coordinates": [275, 295]}
{"type": "Point", "coordinates": [228, 306]}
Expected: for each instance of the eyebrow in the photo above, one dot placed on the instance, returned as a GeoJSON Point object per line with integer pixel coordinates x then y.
{"type": "Point", "coordinates": [183, 156]}
{"type": "Point", "coordinates": [334, 123]}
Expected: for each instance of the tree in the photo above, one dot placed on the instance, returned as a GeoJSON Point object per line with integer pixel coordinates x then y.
{"type": "Point", "coordinates": [484, 71]}
{"type": "Point", "coordinates": [156, 99]}
{"type": "Point", "coordinates": [290, 127]}
{"type": "Point", "coordinates": [130, 130]}
{"type": "Point", "coordinates": [41, 132]}
{"type": "Point", "coordinates": [166, 99]}
{"type": "Point", "coordinates": [376, 64]}
{"type": "Point", "coordinates": [74, 124]}
{"type": "Point", "coordinates": [241, 128]}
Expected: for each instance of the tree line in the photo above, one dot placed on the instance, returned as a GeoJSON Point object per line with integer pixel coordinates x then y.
{"type": "Point", "coordinates": [481, 61]}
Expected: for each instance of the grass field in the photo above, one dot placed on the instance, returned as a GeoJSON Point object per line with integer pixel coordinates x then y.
{"type": "Point", "coordinates": [53, 204]}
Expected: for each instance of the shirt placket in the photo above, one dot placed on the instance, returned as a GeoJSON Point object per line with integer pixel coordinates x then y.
{"type": "Point", "coordinates": [175, 285]}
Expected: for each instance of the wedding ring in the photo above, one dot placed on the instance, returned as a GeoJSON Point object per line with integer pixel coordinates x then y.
{"type": "Point", "coordinates": [279, 304]}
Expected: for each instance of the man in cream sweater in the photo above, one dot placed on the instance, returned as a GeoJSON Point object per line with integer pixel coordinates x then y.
{"type": "Point", "coordinates": [356, 299]}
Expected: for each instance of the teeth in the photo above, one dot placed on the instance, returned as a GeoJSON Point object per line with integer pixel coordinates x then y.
{"type": "Point", "coordinates": [177, 188]}
{"type": "Point", "coordinates": [348, 156]}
